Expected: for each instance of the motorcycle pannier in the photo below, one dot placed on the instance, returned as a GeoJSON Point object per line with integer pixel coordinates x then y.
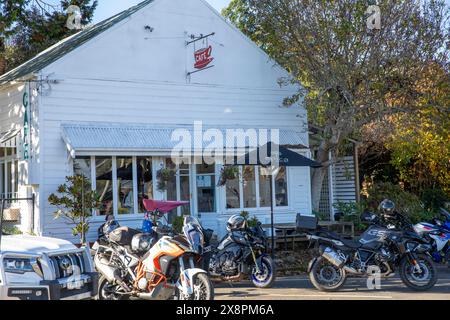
{"type": "Point", "coordinates": [123, 235]}
{"type": "Point", "coordinates": [305, 223]}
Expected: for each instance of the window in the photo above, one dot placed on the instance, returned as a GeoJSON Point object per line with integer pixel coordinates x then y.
{"type": "Point", "coordinates": [104, 184]}
{"type": "Point", "coordinates": [233, 194]}
{"type": "Point", "coordinates": [264, 190]}
{"type": "Point", "coordinates": [254, 188]}
{"type": "Point", "coordinates": [249, 185]}
{"type": "Point", "coordinates": [281, 198]}
{"type": "Point", "coordinates": [82, 167]}
{"type": "Point", "coordinates": [125, 194]}
{"type": "Point", "coordinates": [206, 188]}
{"type": "Point", "coordinates": [9, 172]}
{"type": "Point", "coordinates": [145, 181]}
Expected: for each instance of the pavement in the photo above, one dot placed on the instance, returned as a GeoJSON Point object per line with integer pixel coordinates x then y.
{"type": "Point", "coordinates": [300, 288]}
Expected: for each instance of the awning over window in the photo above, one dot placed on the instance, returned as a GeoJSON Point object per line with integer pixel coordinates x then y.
{"type": "Point", "coordinates": [122, 138]}
{"type": "Point", "coordinates": [8, 138]}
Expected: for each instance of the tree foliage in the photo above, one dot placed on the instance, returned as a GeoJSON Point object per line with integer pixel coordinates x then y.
{"type": "Point", "coordinates": [75, 202]}
{"type": "Point", "coordinates": [352, 75]}
{"type": "Point", "coordinates": [28, 27]}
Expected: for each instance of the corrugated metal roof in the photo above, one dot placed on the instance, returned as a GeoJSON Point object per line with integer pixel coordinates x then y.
{"type": "Point", "coordinates": [123, 137]}
{"type": "Point", "coordinates": [68, 44]}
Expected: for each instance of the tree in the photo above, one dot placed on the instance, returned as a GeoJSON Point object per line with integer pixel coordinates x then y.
{"type": "Point", "coordinates": [351, 75]}
{"type": "Point", "coordinates": [75, 204]}
{"type": "Point", "coordinates": [31, 26]}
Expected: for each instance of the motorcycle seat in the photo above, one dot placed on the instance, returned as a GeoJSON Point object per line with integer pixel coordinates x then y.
{"type": "Point", "coordinates": [351, 243]}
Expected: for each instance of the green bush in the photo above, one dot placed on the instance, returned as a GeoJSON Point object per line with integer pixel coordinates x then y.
{"type": "Point", "coordinates": [405, 202]}
{"type": "Point", "coordinates": [322, 216]}
{"type": "Point", "coordinates": [434, 199]}
{"type": "Point", "coordinates": [177, 224]}
{"type": "Point", "coordinates": [351, 213]}
{"type": "Point", "coordinates": [251, 222]}
{"type": "Point", "coordinates": [11, 230]}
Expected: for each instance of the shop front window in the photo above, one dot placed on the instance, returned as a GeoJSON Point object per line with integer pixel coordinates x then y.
{"type": "Point", "coordinates": [145, 181]}
{"type": "Point", "coordinates": [254, 187]}
{"type": "Point", "coordinates": [281, 188]}
{"type": "Point", "coordinates": [104, 184]}
{"type": "Point", "coordinates": [249, 186]}
{"type": "Point", "coordinates": [264, 189]}
{"type": "Point", "coordinates": [9, 173]}
{"type": "Point", "coordinates": [82, 167]}
{"type": "Point", "coordinates": [125, 185]}
{"type": "Point", "coordinates": [206, 188]}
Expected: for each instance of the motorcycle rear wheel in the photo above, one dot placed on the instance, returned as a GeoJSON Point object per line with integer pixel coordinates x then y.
{"type": "Point", "coordinates": [325, 276]}
{"type": "Point", "coordinates": [409, 276]}
{"type": "Point", "coordinates": [106, 290]}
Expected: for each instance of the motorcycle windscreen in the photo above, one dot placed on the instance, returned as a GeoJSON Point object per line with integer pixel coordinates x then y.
{"type": "Point", "coordinates": [194, 236]}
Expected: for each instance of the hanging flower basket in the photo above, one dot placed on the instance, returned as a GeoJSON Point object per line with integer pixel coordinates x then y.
{"type": "Point", "coordinates": [164, 175]}
{"type": "Point", "coordinates": [12, 214]}
{"type": "Point", "coordinates": [228, 173]}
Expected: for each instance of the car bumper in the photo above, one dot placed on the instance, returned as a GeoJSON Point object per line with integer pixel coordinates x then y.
{"type": "Point", "coordinates": [51, 290]}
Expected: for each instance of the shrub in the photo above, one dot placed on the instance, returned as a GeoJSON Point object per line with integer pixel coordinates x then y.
{"type": "Point", "coordinates": [351, 212]}
{"type": "Point", "coordinates": [434, 199]}
{"type": "Point", "coordinates": [405, 202]}
{"type": "Point", "coordinates": [177, 224]}
{"type": "Point", "coordinates": [252, 222]}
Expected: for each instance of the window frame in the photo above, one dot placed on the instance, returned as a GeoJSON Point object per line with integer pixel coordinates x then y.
{"type": "Point", "coordinates": [257, 191]}
{"type": "Point", "coordinates": [9, 178]}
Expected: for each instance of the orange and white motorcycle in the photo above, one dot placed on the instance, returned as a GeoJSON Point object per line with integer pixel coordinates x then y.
{"type": "Point", "coordinates": [151, 266]}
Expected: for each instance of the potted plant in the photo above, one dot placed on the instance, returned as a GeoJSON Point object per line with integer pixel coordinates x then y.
{"type": "Point", "coordinates": [164, 175]}
{"type": "Point", "coordinates": [75, 202]}
{"type": "Point", "coordinates": [228, 173]}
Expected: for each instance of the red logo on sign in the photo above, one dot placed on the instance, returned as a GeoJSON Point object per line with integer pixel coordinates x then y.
{"type": "Point", "coordinates": [203, 57]}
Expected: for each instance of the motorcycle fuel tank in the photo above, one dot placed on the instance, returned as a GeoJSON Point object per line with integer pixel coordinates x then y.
{"type": "Point", "coordinates": [374, 237]}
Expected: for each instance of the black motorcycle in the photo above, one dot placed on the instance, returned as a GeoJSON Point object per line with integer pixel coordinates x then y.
{"type": "Point", "coordinates": [389, 244]}
{"type": "Point", "coordinates": [240, 254]}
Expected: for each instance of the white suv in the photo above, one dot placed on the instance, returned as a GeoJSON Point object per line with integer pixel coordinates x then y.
{"type": "Point", "coordinates": [40, 268]}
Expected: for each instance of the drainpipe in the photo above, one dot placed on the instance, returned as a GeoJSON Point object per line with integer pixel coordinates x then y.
{"type": "Point", "coordinates": [356, 161]}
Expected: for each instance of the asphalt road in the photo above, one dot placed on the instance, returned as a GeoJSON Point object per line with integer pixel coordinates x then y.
{"type": "Point", "coordinates": [299, 288]}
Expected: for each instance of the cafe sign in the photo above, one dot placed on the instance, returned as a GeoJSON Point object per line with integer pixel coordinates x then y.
{"type": "Point", "coordinates": [203, 57]}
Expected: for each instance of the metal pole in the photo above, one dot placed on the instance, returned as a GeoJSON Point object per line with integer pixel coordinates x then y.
{"type": "Point", "coordinates": [1, 221]}
{"type": "Point", "coordinates": [271, 218]}
{"type": "Point", "coordinates": [33, 199]}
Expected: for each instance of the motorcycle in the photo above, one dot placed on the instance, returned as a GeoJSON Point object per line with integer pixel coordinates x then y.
{"type": "Point", "coordinates": [241, 253]}
{"type": "Point", "coordinates": [152, 266]}
{"type": "Point", "coordinates": [438, 234]}
{"type": "Point", "coordinates": [389, 244]}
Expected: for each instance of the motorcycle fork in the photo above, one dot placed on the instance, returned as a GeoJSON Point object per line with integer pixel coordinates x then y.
{"type": "Point", "coordinates": [412, 259]}
{"type": "Point", "coordinates": [254, 260]}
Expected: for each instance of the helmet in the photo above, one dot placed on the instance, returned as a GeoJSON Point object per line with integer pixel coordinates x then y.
{"type": "Point", "coordinates": [236, 222]}
{"type": "Point", "coordinates": [142, 242]}
{"type": "Point", "coordinates": [110, 226]}
{"type": "Point", "coordinates": [387, 207]}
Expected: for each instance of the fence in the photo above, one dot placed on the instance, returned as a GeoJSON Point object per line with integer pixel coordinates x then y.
{"type": "Point", "coordinates": [12, 212]}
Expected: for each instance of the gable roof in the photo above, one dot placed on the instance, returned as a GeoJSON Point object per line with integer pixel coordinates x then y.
{"type": "Point", "coordinates": [68, 44]}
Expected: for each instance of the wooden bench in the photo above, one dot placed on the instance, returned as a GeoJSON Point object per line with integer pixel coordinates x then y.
{"type": "Point", "coordinates": [288, 231]}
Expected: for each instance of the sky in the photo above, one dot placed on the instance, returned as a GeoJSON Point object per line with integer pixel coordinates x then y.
{"type": "Point", "coordinates": [107, 8]}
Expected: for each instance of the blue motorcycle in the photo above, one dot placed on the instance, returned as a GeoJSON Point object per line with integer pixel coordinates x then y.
{"type": "Point", "coordinates": [439, 234]}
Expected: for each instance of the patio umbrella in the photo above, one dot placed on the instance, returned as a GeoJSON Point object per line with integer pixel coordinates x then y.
{"type": "Point", "coordinates": [272, 156]}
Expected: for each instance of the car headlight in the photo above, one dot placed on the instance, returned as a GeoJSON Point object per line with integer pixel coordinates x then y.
{"type": "Point", "coordinates": [22, 265]}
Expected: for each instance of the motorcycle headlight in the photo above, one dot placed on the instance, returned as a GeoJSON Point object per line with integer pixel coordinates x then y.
{"type": "Point", "coordinates": [21, 265]}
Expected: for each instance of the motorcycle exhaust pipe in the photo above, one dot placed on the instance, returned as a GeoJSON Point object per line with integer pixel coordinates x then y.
{"type": "Point", "coordinates": [111, 274]}
{"type": "Point", "coordinates": [332, 256]}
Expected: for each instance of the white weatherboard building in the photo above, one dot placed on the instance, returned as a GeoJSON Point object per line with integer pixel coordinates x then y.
{"type": "Point", "coordinates": [105, 101]}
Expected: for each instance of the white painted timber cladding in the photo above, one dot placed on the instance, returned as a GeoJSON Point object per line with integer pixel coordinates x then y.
{"type": "Point", "coordinates": [128, 75]}
{"type": "Point", "coordinates": [344, 180]}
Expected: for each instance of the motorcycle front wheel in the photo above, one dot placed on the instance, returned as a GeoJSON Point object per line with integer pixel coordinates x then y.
{"type": "Point", "coordinates": [325, 276]}
{"type": "Point", "coordinates": [265, 277]}
{"type": "Point", "coordinates": [417, 280]}
{"type": "Point", "coordinates": [203, 289]}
